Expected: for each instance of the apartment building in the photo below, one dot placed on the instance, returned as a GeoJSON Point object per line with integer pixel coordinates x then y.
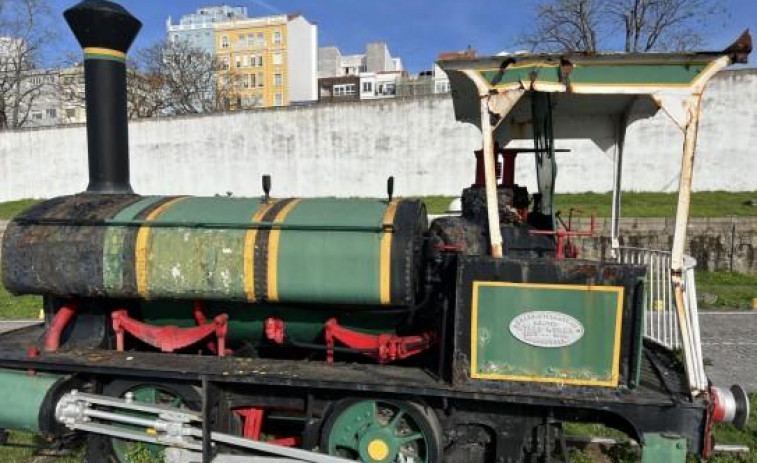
{"type": "Point", "coordinates": [268, 61]}
{"type": "Point", "coordinates": [198, 28]}
{"type": "Point", "coordinates": [376, 73]}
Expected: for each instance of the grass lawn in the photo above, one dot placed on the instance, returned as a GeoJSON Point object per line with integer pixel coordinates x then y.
{"type": "Point", "coordinates": [703, 204]}
{"type": "Point", "coordinates": [724, 434]}
{"type": "Point", "coordinates": [733, 290]}
{"type": "Point", "coordinates": [23, 449]}
{"type": "Point", "coordinates": [15, 308]}
{"type": "Point", "coordinates": [10, 209]}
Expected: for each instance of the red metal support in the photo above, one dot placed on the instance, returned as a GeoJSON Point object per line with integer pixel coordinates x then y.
{"type": "Point", "coordinates": [480, 177]}
{"type": "Point", "coordinates": [61, 319]}
{"type": "Point", "coordinates": [252, 422]}
{"type": "Point", "coordinates": [252, 425]}
{"type": "Point", "coordinates": [168, 338]}
{"type": "Point", "coordinates": [564, 236]}
{"type": "Point", "coordinates": [508, 168]}
{"type": "Point", "coordinates": [275, 330]}
{"type": "Point", "coordinates": [199, 315]}
{"type": "Point", "coordinates": [384, 348]}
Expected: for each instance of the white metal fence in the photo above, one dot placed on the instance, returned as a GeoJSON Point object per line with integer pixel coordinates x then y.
{"type": "Point", "coordinates": [662, 323]}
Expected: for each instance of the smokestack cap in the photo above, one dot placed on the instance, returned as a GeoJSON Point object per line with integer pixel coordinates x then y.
{"type": "Point", "coordinates": [102, 24]}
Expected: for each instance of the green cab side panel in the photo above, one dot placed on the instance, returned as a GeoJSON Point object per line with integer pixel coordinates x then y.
{"type": "Point", "coordinates": [549, 333]}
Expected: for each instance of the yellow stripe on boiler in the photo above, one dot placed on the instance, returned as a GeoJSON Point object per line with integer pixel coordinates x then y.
{"type": "Point", "coordinates": [105, 52]}
{"type": "Point", "coordinates": [141, 248]}
{"type": "Point", "coordinates": [385, 269]}
{"type": "Point", "coordinates": [273, 252]}
{"type": "Point", "coordinates": [249, 252]}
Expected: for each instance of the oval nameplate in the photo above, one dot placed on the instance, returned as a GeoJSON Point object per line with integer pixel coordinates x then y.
{"type": "Point", "coordinates": [546, 329]}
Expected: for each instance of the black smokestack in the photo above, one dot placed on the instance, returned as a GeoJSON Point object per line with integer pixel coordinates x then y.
{"type": "Point", "coordinates": [105, 30]}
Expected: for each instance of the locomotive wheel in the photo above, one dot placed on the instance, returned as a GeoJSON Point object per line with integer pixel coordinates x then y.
{"type": "Point", "coordinates": [382, 431]}
{"type": "Point", "coordinates": [108, 449]}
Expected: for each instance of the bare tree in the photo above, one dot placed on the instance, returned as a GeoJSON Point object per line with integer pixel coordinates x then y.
{"type": "Point", "coordinates": [25, 27]}
{"type": "Point", "coordinates": [645, 25]}
{"type": "Point", "coordinates": [174, 79]}
{"type": "Point", "coordinates": [566, 25]}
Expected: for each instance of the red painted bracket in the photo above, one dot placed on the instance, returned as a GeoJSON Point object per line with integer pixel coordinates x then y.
{"type": "Point", "coordinates": [384, 348]}
{"type": "Point", "coordinates": [275, 330]}
{"type": "Point", "coordinates": [564, 238]}
{"type": "Point", "coordinates": [252, 425]}
{"type": "Point", "coordinates": [168, 338]}
{"type": "Point", "coordinates": [199, 315]}
{"type": "Point", "coordinates": [61, 319]}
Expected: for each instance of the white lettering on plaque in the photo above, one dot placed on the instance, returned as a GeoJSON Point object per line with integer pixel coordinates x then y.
{"type": "Point", "coordinates": [546, 329]}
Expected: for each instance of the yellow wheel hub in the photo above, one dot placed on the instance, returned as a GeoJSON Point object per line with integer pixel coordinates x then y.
{"type": "Point", "coordinates": [378, 450]}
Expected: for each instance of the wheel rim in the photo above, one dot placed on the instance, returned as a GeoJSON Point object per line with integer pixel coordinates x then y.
{"type": "Point", "coordinates": [127, 451]}
{"type": "Point", "coordinates": [379, 432]}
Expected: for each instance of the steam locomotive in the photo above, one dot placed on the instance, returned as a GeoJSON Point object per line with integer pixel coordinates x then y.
{"type": "Point", "coordinates": [195, 329]}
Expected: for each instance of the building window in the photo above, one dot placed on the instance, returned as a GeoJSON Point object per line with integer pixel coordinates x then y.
{"type": "Point", "coordinates": [261, 39]}
{"type": "Point", "coordinates": [175, 38]}
{"type": "Point", "coordinates": [225, 63]}
{"type": "Point", "coordinates": [278, 80]}
{"type": "Point", "coordinates": [278, 99]}
{"type": "Point", "coordinates": [238, 62]}
{"type": "Point", "coordinates": [345, 89]}
{"type": "Point", "coordinates": [278, 59]}
{"type": "Point", "coordinates": [224, 42]}
{"type": "Point", "coordinates": [260, 61]}
{"type": "Point", "coordinates": [51, 113]}
{"type": "Point", "coordinates": [242, 40]}
{"type": "Point", "coordinates": [277, 37]}
{"type": "Point", "coordinates": [261, 79]}
{"type": "Point", "coordinates": [367, 87]}
{"type": "Point", "coordinates": [251, 39]}
{"type": "Point", "coordinates": [70, 113]}
{"type": "Point", "coordinates": [37, 116]}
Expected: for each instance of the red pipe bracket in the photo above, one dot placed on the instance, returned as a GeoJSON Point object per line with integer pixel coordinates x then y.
{"type": "Point", "coordinates": [168, 338]}
{"type": "Point", "coordinates": [61, 319]}
{"type": "Point", "coordinates": [384, 348]}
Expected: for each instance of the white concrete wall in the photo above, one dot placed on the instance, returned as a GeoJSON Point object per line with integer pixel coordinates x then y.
{"type": "Point", "coordinates": [349, 149]}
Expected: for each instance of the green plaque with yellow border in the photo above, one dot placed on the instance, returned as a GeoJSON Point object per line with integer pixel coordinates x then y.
{"type": "Point", "coordinates": [548, 333]}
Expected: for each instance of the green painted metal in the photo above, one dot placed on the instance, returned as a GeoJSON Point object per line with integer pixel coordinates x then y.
{"type": "Point", "coordinates": [663, 448]}
{"type": "Point", "coordinates": [377, 432]}
{"type": "Point", "coordinates": [127, 451]}
{"type": "Point", "coordinates": [114, 242]}
{"type": "Point", "coordinates": [326, 266]}
{"type": "Point", "coordinates": [246, 321]}
{"type": "Point", "coordinates": [22, 396]}
{"type": "Point", "coordinates": [499, 354]}
{"type": "Point", "coordinates": [312, 251]}
{"type": "Point", "coordinates": [618, 74]}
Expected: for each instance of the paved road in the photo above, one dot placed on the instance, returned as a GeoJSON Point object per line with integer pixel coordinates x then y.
{"type": "Point", "coordinates": [729, 342]}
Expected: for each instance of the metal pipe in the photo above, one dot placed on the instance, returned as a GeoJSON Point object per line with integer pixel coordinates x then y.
{"type": "Point", "coordinates": [105, 31]}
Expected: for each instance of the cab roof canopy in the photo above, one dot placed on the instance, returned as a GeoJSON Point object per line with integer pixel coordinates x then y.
{"type": "Point", "coordinates": [547, 97]}
{"type": "Point", "coordinates": [591, 94]}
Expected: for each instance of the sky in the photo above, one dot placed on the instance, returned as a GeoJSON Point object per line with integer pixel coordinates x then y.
{"type": "Point", "coordinates": [415, 30]}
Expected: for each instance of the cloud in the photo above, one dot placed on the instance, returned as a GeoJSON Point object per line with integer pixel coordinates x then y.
{"type": "Point", "coordinates": [266, 6]}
